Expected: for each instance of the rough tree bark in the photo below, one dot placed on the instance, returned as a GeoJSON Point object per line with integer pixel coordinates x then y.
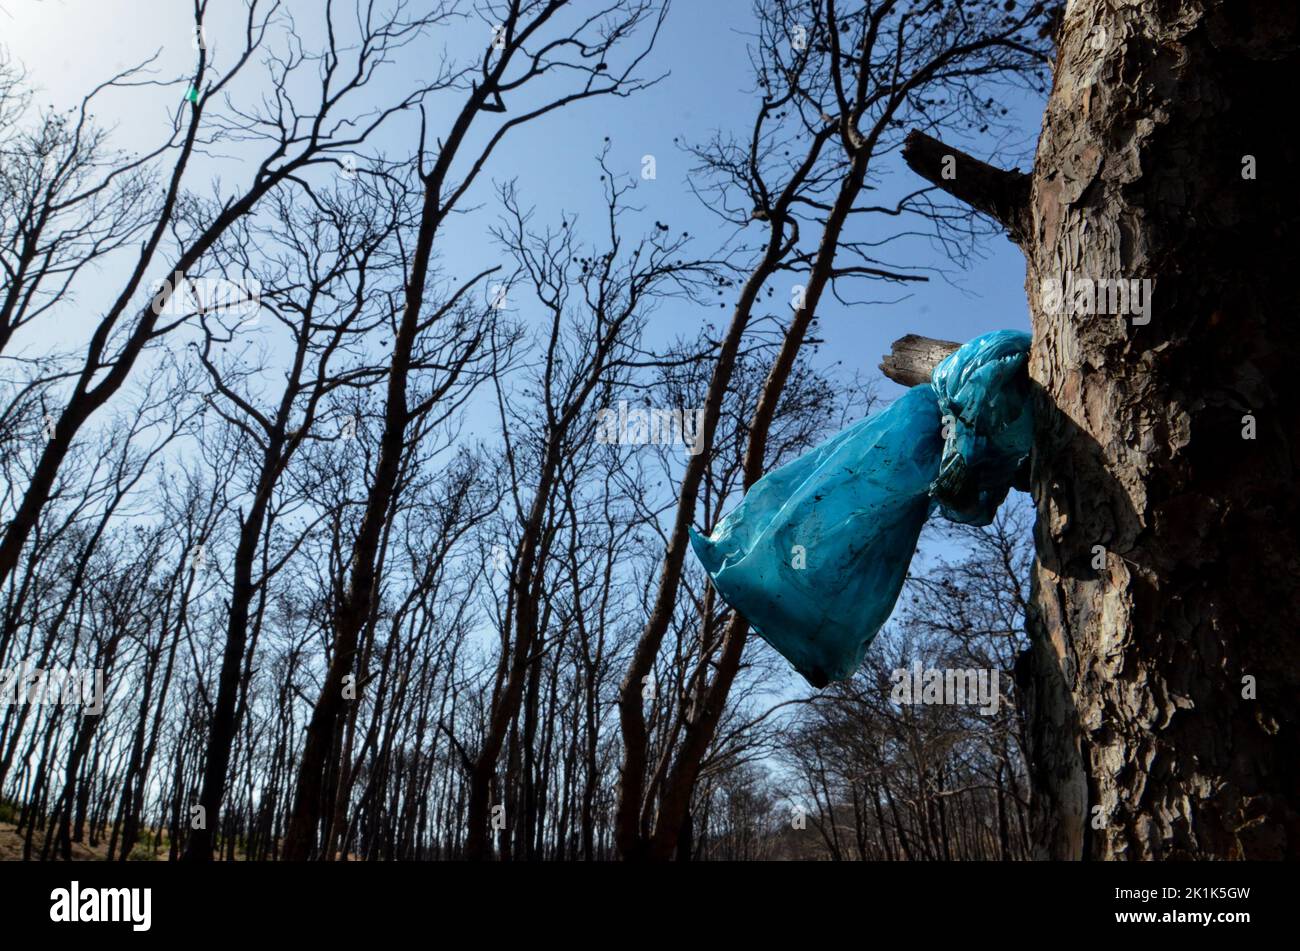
{"type": "Point", "coordinates": [1163, 683]}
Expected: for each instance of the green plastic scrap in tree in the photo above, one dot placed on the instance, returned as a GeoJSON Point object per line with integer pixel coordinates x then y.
{"type": "Point", "coordinates": [815, 555]}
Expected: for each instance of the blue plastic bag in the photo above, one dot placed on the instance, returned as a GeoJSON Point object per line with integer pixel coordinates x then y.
{"type": "Point", "coordinates": [815, 555]}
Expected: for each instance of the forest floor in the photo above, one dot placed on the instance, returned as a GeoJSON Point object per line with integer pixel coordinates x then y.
{"type": "Point", "coordinates": [11, 848]}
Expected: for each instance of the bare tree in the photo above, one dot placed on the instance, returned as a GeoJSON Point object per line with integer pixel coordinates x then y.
{"type": "Point", "coordinates": [880, 776]}
{"type": "Point", "coordinates": [847, 83]}
{"type": "Point", "coordinates": [73, 203]}
{"type": "Point", "coordinates": [327, 288]}
{"type": "Point", "coordinates": [529, 40]}
{"type": "Point", "coordinates": [596, 306]}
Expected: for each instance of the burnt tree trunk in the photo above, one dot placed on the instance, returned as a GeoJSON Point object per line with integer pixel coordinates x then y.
{"type": "Point", "coordinates": [1163, 679]}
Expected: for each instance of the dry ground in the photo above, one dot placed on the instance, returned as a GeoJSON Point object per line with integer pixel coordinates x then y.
{"type": "Point", "coordinates": [11, 847]}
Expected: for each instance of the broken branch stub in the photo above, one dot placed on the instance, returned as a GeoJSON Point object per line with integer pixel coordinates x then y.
{"type": "Point", "coordinates": [912, 358]}
{"type": "Point", "coordinates": [1002, 195]}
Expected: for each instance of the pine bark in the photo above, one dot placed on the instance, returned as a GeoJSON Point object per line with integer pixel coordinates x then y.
{"type": "Point", "coordinates": [1147, 742]}
{"type": "Point", "coordinates": [1163, 682]}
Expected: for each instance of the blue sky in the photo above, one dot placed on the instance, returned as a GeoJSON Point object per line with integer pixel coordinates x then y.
{"type": "Point", "coordinates": [68, 44]}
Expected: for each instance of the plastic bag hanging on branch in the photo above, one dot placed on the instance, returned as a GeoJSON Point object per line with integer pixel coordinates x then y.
{"type": "Point", "coordinates": [815, 555]}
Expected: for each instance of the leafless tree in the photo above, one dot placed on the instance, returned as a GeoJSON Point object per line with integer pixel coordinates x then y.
{"type": "Point", "coordinates": [832, 102]}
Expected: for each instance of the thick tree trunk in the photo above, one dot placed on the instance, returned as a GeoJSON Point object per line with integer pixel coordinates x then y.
{"type": "Point", "coordinates": [1148, 741]}
{"type": "Point", "coordinates": [1163, 681]}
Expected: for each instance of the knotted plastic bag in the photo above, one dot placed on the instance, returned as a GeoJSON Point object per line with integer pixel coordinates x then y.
{"type": "Point", "coordinates": [815, 555]}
